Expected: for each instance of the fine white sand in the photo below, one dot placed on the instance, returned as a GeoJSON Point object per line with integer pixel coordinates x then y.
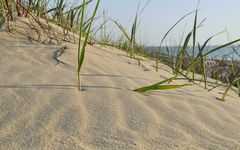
{"type": "Point", "coordinates": [41, 108]}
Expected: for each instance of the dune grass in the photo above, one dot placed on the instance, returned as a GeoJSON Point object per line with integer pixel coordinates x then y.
{"type": "Point", "coordinates": [131, 45]}
{"type": "Point", "coordinates": [187, 63]}
{"type": "Point", "coordinates": [130, 37]}
{"type": "Point", "coordinates": [60, 13]}
{"type": "Point", "coordinates": [104, 37]}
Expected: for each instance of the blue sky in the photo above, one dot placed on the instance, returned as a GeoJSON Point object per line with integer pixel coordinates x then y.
{"type": "Point", "coordinates": [160, 15]}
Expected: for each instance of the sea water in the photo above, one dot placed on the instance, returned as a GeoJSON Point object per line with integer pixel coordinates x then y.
{"type": "Point", "coordinates": [227, 53]}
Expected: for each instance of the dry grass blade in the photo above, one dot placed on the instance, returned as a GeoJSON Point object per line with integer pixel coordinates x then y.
{"type": "Point", "coordinates": [235, 81]}
{"type": "Point", "coordinates": [3, 13]}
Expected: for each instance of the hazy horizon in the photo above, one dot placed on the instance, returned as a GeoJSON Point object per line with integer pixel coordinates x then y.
{"type": "Point", "coordinates": [159, 16]}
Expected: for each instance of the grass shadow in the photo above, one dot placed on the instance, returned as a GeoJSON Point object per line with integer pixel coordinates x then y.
{"type": "Point", "coordinates": [110, 75]}
{"type": "Point", "coordinates": [45, 86]}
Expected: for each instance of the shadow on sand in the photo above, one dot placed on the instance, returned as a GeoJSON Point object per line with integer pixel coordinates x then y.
{"type": "Point", "coordinates": [110, 75]}
{"type": "Point", "coordinates": [44, 86]}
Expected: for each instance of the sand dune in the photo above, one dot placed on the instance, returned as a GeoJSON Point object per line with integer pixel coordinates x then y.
{"type": "Point", "coordinates": [41, 108]}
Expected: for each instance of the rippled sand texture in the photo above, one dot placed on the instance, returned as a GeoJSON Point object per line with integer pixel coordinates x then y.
{"type": "Point", "coordinates": [41, 108]}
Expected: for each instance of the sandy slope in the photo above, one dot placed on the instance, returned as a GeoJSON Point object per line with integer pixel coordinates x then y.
{"type": "Point", "coordinates": [40, 107]}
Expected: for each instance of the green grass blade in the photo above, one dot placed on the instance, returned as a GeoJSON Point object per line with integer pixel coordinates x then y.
{"type": "Point", "coordinates": [81, 59]}
{"type": "Point", "coordinates": [233, 48]}
{"type": "Point", "coordinates": [220, 47]}
{"type": "Point", "coordinates": [166, 34]}
{"type": "Point", "coordinates": [134, 30]}
{"type": "Point", "coordinates": [80, 35]}
{"type": "Point", "coordinates": [79, 7]}
{"type": "Point", "coordinates": [195, 27]}
{"type": "Point", "coordinates": [203, 66]}
{"type": "Point", "coordinates": [206, 42]}
{"type": "Point", "coordinates": [194, 38]}
{"type": "Point", "coordinates": [183, 52]}
{"type": "Point", "coordinates": [159, 87]}
{"type": "Point", "coordinates": [81, 50]}
{"type": "Point", "coordinates": [212, 51]}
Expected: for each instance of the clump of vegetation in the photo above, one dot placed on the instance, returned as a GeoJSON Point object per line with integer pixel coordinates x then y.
{"type": "Point", "coordinates": [131, 46]}
{"type": "Point", "coordinates": [72, 19]}
{"type": "Point", "coordinates": [58, 12]}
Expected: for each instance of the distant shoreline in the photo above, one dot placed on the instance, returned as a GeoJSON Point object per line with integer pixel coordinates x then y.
{"type": "Point", "coordinates": [227, 53]}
